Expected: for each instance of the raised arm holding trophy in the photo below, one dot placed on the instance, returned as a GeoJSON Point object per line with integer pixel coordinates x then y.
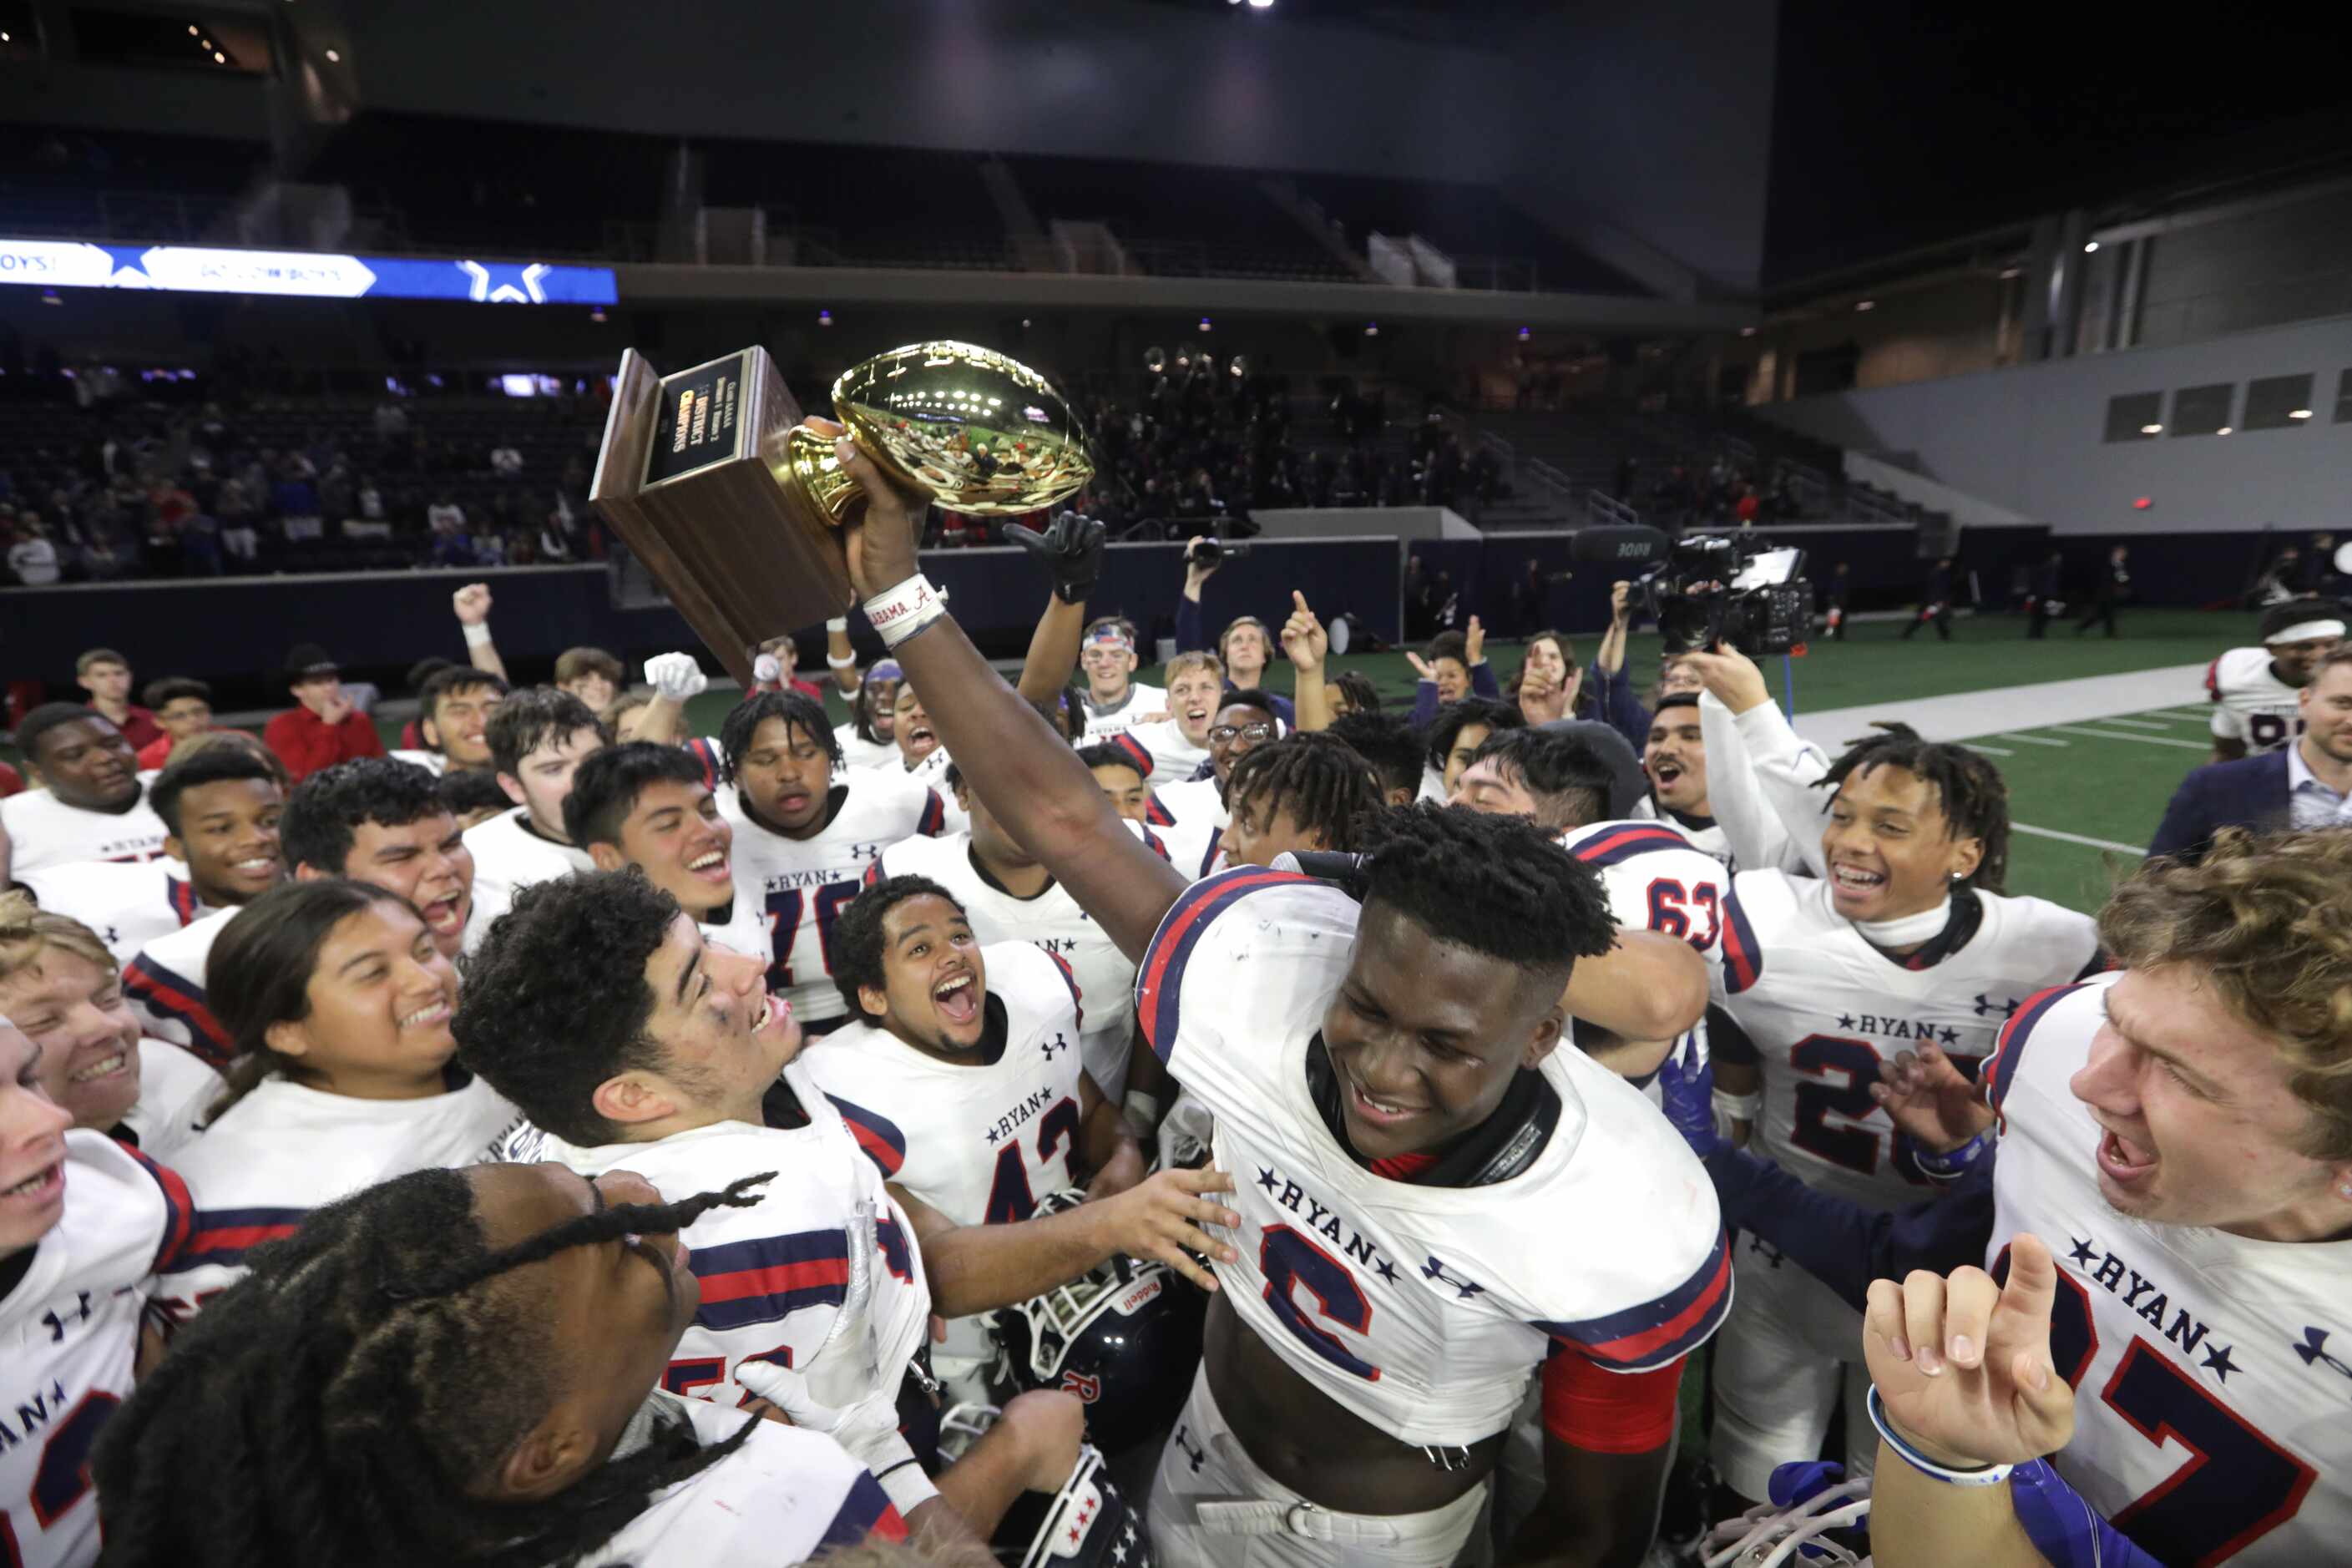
{"type": "Point", "coordinates": [736, 506]}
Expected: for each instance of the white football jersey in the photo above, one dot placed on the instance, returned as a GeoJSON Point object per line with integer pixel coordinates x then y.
{"type": "Point", "coordinates": [1161, 750]}
{"type": "Point", "coordinates": [128, 905]}
{"type": "Point", "coordinates": [285, 1149]}
{"type": "Point", "coordinates": [800, 884]}
{"type": "Point", "coordinates": [1823, 1008]}
{"type": "Point", "coordinates": [164, 984]}
{"type": "Point", "coordinates": [2250, 703]}
{"type": "Point", "coordinates": [821, 1275]}
{"type": "Point", "coordinates": [45, 831]}
{"type": "Point", "coordinates": [176, 1092]}
{"type": "Point", "coordinates": [783, 1496]}
{"type": "Point", "coordinates": [857, 752]}
{"type": "Point", "coordinates": [69, 1334]}
{"type": "Point", "coordinates": [2211, 1371]}
{"type": "Point", "coordinates": [1657, 880]}
{"type": "Point", "coordinates": [1710, 841]}
{"type": "Point", "coordinates": [508, 856]}
{"type": "Point", "coordinates": [433, 763]}
{"type": "Point", "coordinates": [986, 1138]}
{"type": "Point", "coordinates": [1052, 921]}
{"type": "Point", "coordinates": [1421, 1309]}
{"type": "Point", "coordinates": [1140, 699]}
{"type": "Point", "coordinates": [1190, 819]}
{"type": "Point", "coordinates": [931, 773]}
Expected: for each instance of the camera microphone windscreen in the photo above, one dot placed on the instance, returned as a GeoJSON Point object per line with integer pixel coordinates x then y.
{"type": "Point", "coordinates": [1623, 545]}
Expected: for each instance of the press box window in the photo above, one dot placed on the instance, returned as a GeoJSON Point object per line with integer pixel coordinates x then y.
{"type": "Point", "coordinates": [2136, 417]}
{"type": "Point", "coordinates": [2201, 410]}
{"type": "Point", "coordinates": [2278, 403]}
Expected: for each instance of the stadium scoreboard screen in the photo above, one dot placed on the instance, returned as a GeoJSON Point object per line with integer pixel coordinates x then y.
{"type": "Point", "coordinates": [304, 274]}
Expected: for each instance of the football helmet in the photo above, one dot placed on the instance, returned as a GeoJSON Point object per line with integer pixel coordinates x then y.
{"type": "Point", "coordinates": [1086, 1524]}
{"type": "Point", "coordinates": [1125, 1338]}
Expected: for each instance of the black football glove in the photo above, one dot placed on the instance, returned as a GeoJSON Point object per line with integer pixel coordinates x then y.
{"type": "Point", "coordinates": [1072, 550]}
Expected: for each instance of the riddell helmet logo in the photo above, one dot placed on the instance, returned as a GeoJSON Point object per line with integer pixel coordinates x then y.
{"type": "Point", "coordinates": [1088, 1389]}
{"type": "Point", "coordinates": [1128, 1305]}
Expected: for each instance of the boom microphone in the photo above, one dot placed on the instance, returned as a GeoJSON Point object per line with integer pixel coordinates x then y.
{"type": "Point", "coordinates": [1628, 544]}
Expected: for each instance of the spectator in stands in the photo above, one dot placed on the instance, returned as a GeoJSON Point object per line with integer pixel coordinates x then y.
{"type": "Point", "coordinates": [589, 674]}
{"type": "Point", "coordinates": [772, 664]}
{"type": "Point", "coordinates": [327, 727]}
{"type": "Point", "coordinates": [2305, 786]}
{"type": "Point", "coordinates": [2320, 578]}
{"type": "Point", "coordinates": [446, 517]}
{"type": "Point", "coordinates": [183, 707]}
{"type": "Point", "coordinates": [505, 460]}
{"type": "Point", "coordinates": [106, 676]}
{"type": "Point", "coordinates": [232, 505]}
{"type": "Point", "coordinates": [2114, 585]}
{"type": "Point", "coordinates": [31, 556]}
{"type": "Point", "coordinates": [371, 499]}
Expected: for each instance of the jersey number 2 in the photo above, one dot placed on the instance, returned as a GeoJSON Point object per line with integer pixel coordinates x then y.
{"type": "Point", "coordinates": [784, 928]}
{"type": "Point", "coordinates": [1010, 1197]}
{"type": "Point", "coordinates": [2235, 1487]}
{"type": "Point", "coordinates": [63, 1477]}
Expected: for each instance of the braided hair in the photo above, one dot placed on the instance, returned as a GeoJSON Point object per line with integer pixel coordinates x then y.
{"type": "Point", "coordinates": [797, 710]}
{"type": "Point", "coordinates": [1494, 884]}
{"type": "Point", "coordinates": [1970, 791]}
{"type": "Point", "coordinates": [1322, 781]}
{"type": "Point", "coordinates": [340, 1402]}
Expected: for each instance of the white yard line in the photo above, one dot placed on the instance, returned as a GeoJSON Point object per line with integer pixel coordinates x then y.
{"type": "Point", "coordinates": [2078, 839]}
{"type": "Point", "coordinates": [2124, 735]}
{"type": "Point", "coordinates": [2137, 723]}
{"type": "Point", "coordinates": [2030, 740]}
{"type": "Point", "coordinates": [1988, 750]}
{"type": "Point", "coordinates": [1965, 716]}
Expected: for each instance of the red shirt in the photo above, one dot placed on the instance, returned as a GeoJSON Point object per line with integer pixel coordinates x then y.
{"type": "Point", "coordinates": [11, 781]}
{"type": "Point", "coordinates": [138, 726]}
{"type": "Point", "coordinates": [305, 743]}
{"type": "Point", "coordinates": [157, 751]}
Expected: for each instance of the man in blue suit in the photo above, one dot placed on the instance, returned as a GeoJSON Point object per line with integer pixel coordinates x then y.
{"type": "Point", "coordinates": [2305, 785]}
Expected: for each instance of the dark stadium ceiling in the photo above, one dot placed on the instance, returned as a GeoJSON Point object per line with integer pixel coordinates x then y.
{"type": "Point", "coordinates": [1455, 22]}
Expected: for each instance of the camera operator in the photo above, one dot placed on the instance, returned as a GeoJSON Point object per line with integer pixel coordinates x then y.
{"type": "Point", "coordinates": [1242, 647]}
{"type": "Point", "coordinates": [1935, 602]}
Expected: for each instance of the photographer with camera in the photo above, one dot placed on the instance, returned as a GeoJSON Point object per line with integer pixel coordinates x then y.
{"type": "Point", "coordinates": [1242, 647]}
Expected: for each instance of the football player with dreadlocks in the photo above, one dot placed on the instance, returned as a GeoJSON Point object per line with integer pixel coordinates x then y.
{"type": "Point", "coordinates": [1380, 1061]}
{"type": "Point", "coordinates": [1905, 944]}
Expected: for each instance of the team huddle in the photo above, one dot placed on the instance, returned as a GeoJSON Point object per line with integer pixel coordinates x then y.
{"type": "Point", "coordinates": [1126, 1124]}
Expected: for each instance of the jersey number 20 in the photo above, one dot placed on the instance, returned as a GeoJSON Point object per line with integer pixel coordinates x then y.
{"type": "Point", "coordinates": [63, 1477]}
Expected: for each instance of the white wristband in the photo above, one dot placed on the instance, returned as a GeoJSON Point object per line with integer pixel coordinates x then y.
{"type": "Point", "coordinates": [1141, 1108]}
{"type": "Point", "coordinates": [838, 624]}
{"type": "Point", "coordinates": [1975, 1475]}
{"type": "Point", "coordinates": [899, 613]}
{"type": "Point", "coordinates": [1739, 1107]}
{"type": "Point", "coordinates": [846, 661]}
{"type": "Point", "coordinates": [907, 1487]}
{"type": "Point", "coordinates": [477, 634]}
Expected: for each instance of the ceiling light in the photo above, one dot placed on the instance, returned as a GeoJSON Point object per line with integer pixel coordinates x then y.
{"type": "Point", "coordinates": [2092, 249]}
{"type": "Point", "coordinates": [2013, 272]}
{"type": "Point", "coordinates": [825, 317]}
{"type": "Point", "coordinates": [2224, 430]}
{"type": "Point", "coordinates": [1261, 5]}
{"type": "Point", "coordinates": [1525, 334]}
{"type": "Point", "coordinates": [1747, 331]}
{"type": "Point", "coordinates": [1371, 328]}
{"type": "Point", "coordinates": [2299, 414]}
{"type": "Point", "coordinates": [49, 297]}
{"type": "Point", "coordinates": [1205, 326]}
{"type": "Point", "coordinates": [192, 29]}
{"type": "Point", "coordinates": [597, 314]}
{"type": "Point", "coordinates": [1865, 304]}
{"type": "Point", "coordinates": [2151, 430]}
{"type": "Point", "coordinates": [334, 56]}
{"type": "Point", "coordinates": [219, 58]}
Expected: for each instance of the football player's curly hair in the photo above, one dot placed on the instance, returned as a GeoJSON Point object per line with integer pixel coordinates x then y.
{"type": "Point", "coordinates": [1496, 885]}
{"type": "Point", "coordinates": [1326, 785]}
{"type": "Point", "coordinates": [1386, 741]}
{"type": "Point", "coordinates": [857, 937]}
{"type": "Point", "coordinates": [1970, 789]}
{"type": "Point", "coordinates": [795, 709]}
{"type": "Point", "coordinates": [342, 1402]}
{"type": "Point", "coordinates": [2267, 922]}
{"type": "Point", "coordinates": [556, 1001]}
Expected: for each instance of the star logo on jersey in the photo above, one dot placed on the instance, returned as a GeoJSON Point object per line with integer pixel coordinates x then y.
{"type": "Point", "coordinates": [1845, 1020]}
{"type": "Point", "coordinates": [1987, 1007]}
{"type": "Point", "coordinates": [2219, 1363]}
{"type": "Point", "coordinates": [2313, 1352]}
{"type": "Point", "coordinates": [1465, 1286]}
{"type": "Point", "coordinates": [1950, 1036]}
{"type": "Point", "coordinates": [1267, 1179]}
{"type": "Point", "coordinates": [2082, 1251]}
{"type": "Point", "coordinates": [1385, 1271]}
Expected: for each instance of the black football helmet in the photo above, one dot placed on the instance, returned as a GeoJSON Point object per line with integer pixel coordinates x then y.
{"type": "Point", "coordinates": [1088, 1523]}
{"type": "Point", "coordinates": [1125, 1338]}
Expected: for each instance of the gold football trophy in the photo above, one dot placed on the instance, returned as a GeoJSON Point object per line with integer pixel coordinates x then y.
{"type": "Point", "coordinates": [736, 507]}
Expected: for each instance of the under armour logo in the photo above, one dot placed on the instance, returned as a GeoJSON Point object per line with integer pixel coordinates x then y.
{"type": "Point", "coordinates": [1987, 1007]}
{"type": "Point", "coordinates": [504, 283]}
{"type": "Point", "coordinates": [2314, 1350]}
{"type": "Point", "coordinates": [57, 1325]}
{"type": "Point", "coordinates": [1194, 1454]}
{"type": "Point", "coordinates": [1465, 1287]}
{"type": "Point", "coordinates": [1058, 1043]}
{"type": "Point", "coordinates": [1764, 1249]}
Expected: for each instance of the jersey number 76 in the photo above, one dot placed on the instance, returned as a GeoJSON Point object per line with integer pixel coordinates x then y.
{"type": "Point", "coordinates": [784, 928]}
